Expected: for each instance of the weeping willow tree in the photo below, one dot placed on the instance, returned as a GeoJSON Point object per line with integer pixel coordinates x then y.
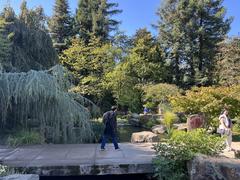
{"type": "Point", "coordinates": [40, 99]}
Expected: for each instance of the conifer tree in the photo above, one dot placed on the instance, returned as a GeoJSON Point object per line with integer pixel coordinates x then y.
{"type": "Point", "coordinates": [33, 18]}
{"type": "Point", "coordinates": [228, 62]}
{"type": "Point", "coordinates": [145, 58]}
{"type": "Point", "coordinates": [88, 64]}
{"type": "Point", "coordinates": [61, 24]}
{"type": "Point", "coordinates": [5, 47]}
{"type": "Point", "coordinates": [190, 31]}
{"type": "Point", "coordinates": [31, 48]}
{"type": "Point", "coordinates": [94, 18]}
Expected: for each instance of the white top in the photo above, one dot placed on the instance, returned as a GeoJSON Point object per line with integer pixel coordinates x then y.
{"type": "Point", "coordinates": [225, 121]}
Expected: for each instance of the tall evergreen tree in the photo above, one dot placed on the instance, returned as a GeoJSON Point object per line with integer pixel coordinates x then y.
{"type": "Point", "coordinates": [84, 19]}
{"type": "Point", "coordinates": [5, 46]}
{"type": "Point", "coordinates": [171, 38]}
{"type": "Point", "coordinates": [30, 47]}
{"type": "Point", "coordinates": [61, 24]}
{"type": "Point", "coordinates": [89, 63]}
{"type": "Point", "coordinates": [190, 31]}
{"type": "Point", "coordinates": [94, 18]}
{"type": "Point", "coordinates": [33, 18]}
{"type": "Point", "coordinates": [228, 62]}
{"type": "Point", "coordinates": [145, 58]}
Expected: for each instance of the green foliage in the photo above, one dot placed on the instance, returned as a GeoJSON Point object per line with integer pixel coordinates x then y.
{"type": "Point", "coordinates": [208, 100]}
{"type": "Point", "coordinates": [168, 169]}
{"type": "Point", "coordinates": [181, 147]}
{"type": "Point", "coordinates": [39, 99]}
{"type": "Point", "coordinates": [228, 62]}
{"type": "Point", "coordinates": [31, 48]}
{"type": "Point", "coordinates": [156, 94]}
{"type": "Point", "coordinates": [61, 24]}
{"type": "Point", "coordinates": [5, 170]}
{"type": "Point", "coordinates": [25, 138]}
{"type": "Point", "coordinates": [236, 128]}
{"type": "Point", "coordinates": [2, 170]}
{"type": "Point", "coordinates": [123, 87]}
{"type": "Point", "coordinates": [142, 65]}
{"type": "Point", "coordinates": [89, 63]}
{"type": "Point", "coordinates": [33, 18]}
{"type": "Point", "coordinates": [189, 31]}
{"type": "Point", "coordinates": [145, 58]}
{"type": "Point", "coordinates": [94, 18]}
{"type": "Point", "coordinates": [150, 123]}
{"type": "Point", "coordinates": [169, 119]}
{"type": "Point", "coordinates": [5, 46]}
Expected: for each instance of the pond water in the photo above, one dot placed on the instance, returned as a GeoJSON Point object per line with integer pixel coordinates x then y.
{"type": "Point", "coordinates": [125, 132]}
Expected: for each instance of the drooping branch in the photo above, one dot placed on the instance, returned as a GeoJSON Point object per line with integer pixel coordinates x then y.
{"type": "Point", "coordinates": [42, 97]}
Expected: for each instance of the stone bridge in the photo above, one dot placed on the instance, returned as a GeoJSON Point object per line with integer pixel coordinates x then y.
{"type": "Point", "coordinates": [79, 159]}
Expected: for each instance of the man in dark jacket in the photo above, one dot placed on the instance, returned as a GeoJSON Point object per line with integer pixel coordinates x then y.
{"type": "Point", "coordinates": [110, 130]}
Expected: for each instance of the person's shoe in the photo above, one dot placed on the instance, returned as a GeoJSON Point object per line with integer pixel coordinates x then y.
{"type": "Point", "coordinates": [103, 149]}
{"type": "Point", "coordinates": [118, 149]}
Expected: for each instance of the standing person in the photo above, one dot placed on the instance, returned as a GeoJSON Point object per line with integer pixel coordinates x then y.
{"type": "Point", "coordinates": [145, 110]}
{"type": "Point", "coordinates": [225, 127]}
{"type": "Point", "coordinates": [110, 130]}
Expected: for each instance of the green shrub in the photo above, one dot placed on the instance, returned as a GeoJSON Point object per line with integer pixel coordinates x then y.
{"type": "Point", "coordinates": [151, 123]}
{"type": "Point", "coordinates": [208, 100]}
{"type": "Point", "coordinates": [25, 138]}
{"type": "Point", "coordinates": [172, 156]}
{"type": "Point", "coordinates": [155, 94]}
{"type": "Point", "coordinates": [169, 119]}
{"type": "Point", "coordinates": [236, 128]}
{"type": "Point", "coordinates": [182, 118]}
{"type": "Point", "coordinates": [5, 171]}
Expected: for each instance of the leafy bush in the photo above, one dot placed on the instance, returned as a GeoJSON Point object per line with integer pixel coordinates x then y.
{"type": "Point", "coordinates": [155, 94]}
{"type": "Point", "coordinates": [6, 170]}
{"type": "Point", "coordinates": [236, 128]}
{"type": "Point", "coordinates": [3, 170]}
{"type": "Point", "coordinates": [151, 123]}
{"type": "Point", "coordinates": [172, 156]}
{"type": "Point", "coordinates": [169, 119]}
{"type": "Point", "coordinates": [208, 100]}
{"type": "Point", "coordinates": [25, 138]}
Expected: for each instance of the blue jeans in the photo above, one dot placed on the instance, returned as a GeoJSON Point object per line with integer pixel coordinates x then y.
{"type": "Point", "coordinates": [114, 140]}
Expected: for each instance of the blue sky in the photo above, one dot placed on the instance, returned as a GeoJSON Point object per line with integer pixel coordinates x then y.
{"type": "Point", "coordinates": [136, 13]}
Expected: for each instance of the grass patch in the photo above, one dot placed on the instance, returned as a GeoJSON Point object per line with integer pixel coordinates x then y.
{"type": "Point", "coordinates": [25, 138]}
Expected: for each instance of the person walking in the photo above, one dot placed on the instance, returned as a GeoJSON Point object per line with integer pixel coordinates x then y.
{"type": "Point", "coordinates": [225, 128]}
{"type": "Point", "coordinates": [110, 129]}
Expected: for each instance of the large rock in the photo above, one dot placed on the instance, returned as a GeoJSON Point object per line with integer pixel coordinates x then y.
{"type": "Point", "coordinates": [158, 129]}
{"type": "Point", "coordinates": [21, 177]}
{"type": "Point", "coordinates": [195, 121]}
{"type": "Point", "coordinates": [205, 167]}
{"type": "Point", "coordinates": [144, 136]}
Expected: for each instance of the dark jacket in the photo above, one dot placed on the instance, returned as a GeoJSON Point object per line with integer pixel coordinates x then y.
{"type": "Point", "coordinates": [110, 122]}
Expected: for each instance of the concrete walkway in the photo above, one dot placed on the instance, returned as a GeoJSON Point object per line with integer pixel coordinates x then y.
{"type": "Point", "coordinates": [80, 159]}
{"type": "Point", "coordinates": [84, 159]}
